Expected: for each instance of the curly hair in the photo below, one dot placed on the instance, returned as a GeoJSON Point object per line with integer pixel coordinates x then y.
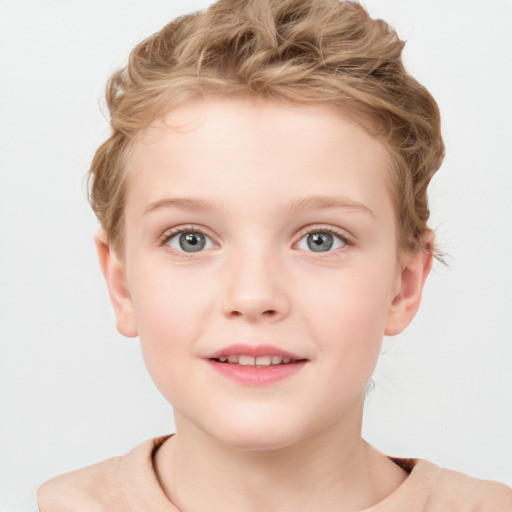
{"type": "Point", "coordinates": [321, 51]}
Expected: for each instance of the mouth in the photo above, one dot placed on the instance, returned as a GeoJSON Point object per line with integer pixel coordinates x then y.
{"type": "Point", "coordinates": [256, 365]}
{"type": "Point", "coordinates": [258, 361]}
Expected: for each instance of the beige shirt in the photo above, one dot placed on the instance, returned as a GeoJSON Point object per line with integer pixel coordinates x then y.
{"type": "Point", "coordinates": [130, 484]}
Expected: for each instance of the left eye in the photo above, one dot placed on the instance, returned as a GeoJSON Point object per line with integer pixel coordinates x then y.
{"type": "Point", "coordinates": [189, 241]}
{"type": "Point", "coordinates": [321, 241]}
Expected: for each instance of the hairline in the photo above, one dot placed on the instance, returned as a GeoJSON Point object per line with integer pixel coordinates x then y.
{"type": "Point", "coordinates": [340, 109]}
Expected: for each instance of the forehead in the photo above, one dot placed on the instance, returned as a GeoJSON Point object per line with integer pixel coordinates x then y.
{"type": "Point", "coordinates": [255, 150]}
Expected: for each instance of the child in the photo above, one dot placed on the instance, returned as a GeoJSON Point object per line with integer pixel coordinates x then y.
{"type": "Point", "coordinates": [264, 223]}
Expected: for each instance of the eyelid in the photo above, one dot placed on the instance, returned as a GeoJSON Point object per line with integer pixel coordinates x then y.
{"type": "Point", "coordinates": [170, 233]}
{"type": "Point", "coordinates": [191, 228]}
{"type": "Point", "coordinates": [337, 232]}
{"type": "Point", "coordinates": [325, 228]}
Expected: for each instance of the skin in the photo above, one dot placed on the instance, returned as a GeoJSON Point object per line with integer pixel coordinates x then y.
{"type": "Point", "coordinates": [295, 444]}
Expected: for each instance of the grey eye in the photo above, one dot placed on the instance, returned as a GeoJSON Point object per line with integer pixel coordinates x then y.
{"type": "Point", "coordinates": [190, 241]}
{"type": "Point", "coordinates": [320, 241]}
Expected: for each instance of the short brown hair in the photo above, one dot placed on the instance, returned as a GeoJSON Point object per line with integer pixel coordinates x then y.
{"type": "Point", "coordinates": [323, 51]}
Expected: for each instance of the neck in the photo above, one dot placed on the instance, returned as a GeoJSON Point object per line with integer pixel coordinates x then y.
{"type": "Point", "coordinates": [334, 469]}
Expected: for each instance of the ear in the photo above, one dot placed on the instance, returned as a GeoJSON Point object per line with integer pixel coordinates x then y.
{"type": "Point", "coordinates": [416, 266]}
{"type": "Point", "coordinates": [114, 272]}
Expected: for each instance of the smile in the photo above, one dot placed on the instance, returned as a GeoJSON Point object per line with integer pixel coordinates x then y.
{"type": "Point", "coordinates": [255, 365]}
{"type": "Point", "coordinates": [260, 361]}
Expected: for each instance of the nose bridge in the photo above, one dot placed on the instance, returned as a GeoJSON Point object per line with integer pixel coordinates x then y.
{"type": "Point", "coordinates": [253, 285]}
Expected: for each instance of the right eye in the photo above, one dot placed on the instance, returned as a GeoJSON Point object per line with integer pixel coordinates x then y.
{"type": "Point", "coordinates": [188, 240]}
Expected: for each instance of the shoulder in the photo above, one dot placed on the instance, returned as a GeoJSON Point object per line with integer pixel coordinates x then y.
{"type": "Point", "coordinates": [109, 485]}
{"type": "Point", "coordinates": [476, 495]}
{"type": "Point", "coordinates": [445, 489]}
{"type": "Point", "coordinates": [93, 488]}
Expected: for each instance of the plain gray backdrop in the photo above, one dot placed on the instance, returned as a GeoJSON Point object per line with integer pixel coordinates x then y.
{"type": "Point", "coordinates": [74, 392]}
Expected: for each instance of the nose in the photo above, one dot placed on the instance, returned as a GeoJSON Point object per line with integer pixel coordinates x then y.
{"type": "Point", "coordinates": [254, 287]}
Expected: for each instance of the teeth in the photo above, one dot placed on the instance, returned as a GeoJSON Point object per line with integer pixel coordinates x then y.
{"type": "Point", "coordinates": [263, 361]}
{"type": "Point", "coordinates": [245, 360]}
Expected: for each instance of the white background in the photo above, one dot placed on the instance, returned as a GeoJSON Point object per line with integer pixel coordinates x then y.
{"type": "Point", "coordinates": [73, 391]}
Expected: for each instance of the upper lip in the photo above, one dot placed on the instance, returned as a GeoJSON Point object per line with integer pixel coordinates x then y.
{"type": "Point", "coordinates": [253, 350]}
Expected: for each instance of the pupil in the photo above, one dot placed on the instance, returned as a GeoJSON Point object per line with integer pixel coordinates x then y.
{"type": "Point", "coordinates": [192, 242]}
{"type": "Point", "coordinates": [320, 242]}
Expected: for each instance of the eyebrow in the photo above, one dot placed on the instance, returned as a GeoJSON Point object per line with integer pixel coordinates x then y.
{"type": "Point", "coordinates": [187, 204]}
{"type": "Point", "coordinates": [306, 203]}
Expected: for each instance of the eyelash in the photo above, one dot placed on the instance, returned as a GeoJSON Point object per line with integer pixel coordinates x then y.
{"type": "Point", "coordinates": [326, 229]}
{"type": "Point", "coordinates": [170, 234]}
{"type": "Point", "coordinates": [336, 253]}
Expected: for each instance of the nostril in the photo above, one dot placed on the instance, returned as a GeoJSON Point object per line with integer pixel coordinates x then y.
{"type": "Point", "coordinates": [268, 312]}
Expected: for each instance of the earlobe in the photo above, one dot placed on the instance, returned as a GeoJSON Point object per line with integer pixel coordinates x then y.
{"type": "Point", "coordinates": [114, 272]}
{"type": "Point", "coordinates": [415, 269]}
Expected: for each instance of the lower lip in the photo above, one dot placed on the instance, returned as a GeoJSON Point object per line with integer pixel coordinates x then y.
{"type": "Point", "coordinates": [257, 375]}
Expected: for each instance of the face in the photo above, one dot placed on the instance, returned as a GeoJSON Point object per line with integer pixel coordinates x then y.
{"type": "Point", "coordinates": [260, 267]}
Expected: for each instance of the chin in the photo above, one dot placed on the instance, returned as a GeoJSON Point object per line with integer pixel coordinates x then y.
{"type": "Point", "coordinates": [258, 442]}
{"type": "Point", "coordinates": [257, 435]}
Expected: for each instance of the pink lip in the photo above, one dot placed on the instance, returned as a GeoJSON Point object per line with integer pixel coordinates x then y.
{"type": "Point", "coordinates": [255, 375]}
{"type": "Point", "coordinates": [252, 350]}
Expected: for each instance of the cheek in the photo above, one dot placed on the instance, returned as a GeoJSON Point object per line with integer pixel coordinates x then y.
{"type": "Point", "coordinates": [167, 301]}
{"type": "Point", "coordinates": [349, 313]}
{"type": "Point", "coordinates": [170, 312]}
